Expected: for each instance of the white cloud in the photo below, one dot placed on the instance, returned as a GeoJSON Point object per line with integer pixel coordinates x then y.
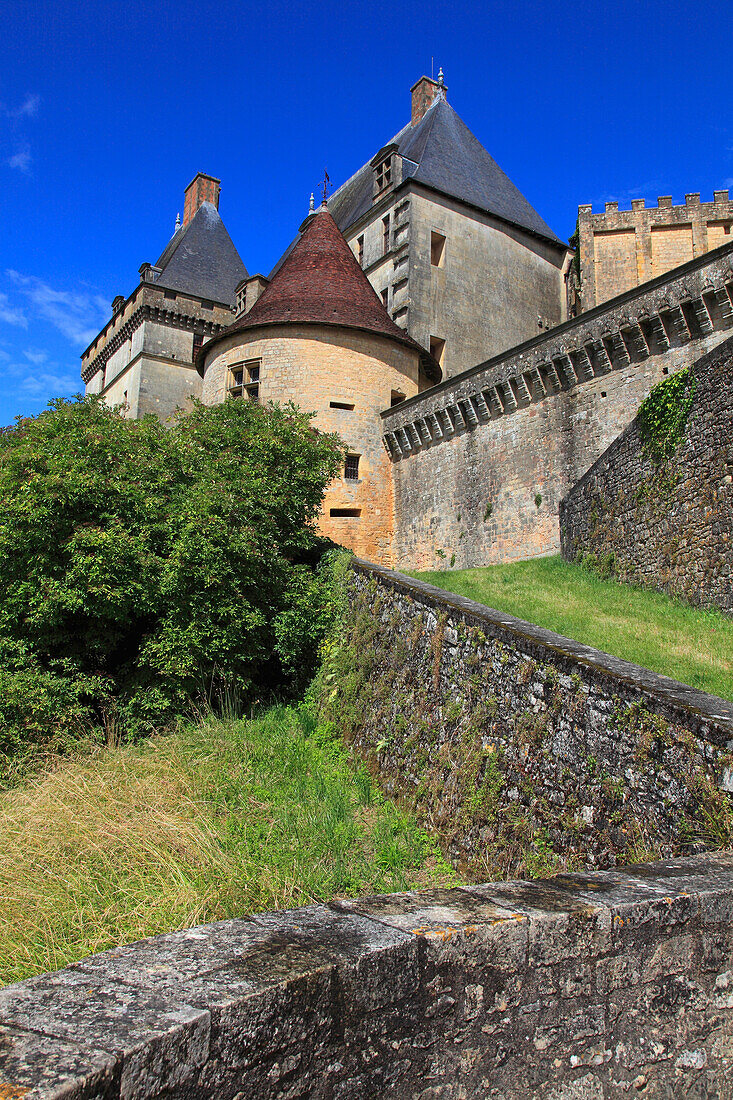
{"type": "Point", "coordinates": [34, 356]}
{"type": "Point", "coordinates": [21, 160]}
{"type": "Point", "coordinates": [51, 383]}
{"type": "Point", "coordinates": [27, 109]}
{"type": "Point", "coordinates": [77, 315]}
{"type": "Point", "coordinates": [10, 315]}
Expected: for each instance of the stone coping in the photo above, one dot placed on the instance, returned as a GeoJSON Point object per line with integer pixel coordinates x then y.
{"type": "Point", "coordinates": [222, 1010]}
{"type": "Point", "coordinates": [671, 693]}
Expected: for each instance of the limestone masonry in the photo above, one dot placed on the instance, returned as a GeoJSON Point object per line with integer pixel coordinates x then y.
{"type": "Point", "coordinates": [593, 986]}
{"type": "Point", "coordinates": [474, 365]}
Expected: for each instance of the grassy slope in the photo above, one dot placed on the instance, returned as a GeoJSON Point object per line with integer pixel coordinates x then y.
{"type": "Point", "coordinates": [215, 821]}
{"type": "Point", "coordinates": [648, 628]}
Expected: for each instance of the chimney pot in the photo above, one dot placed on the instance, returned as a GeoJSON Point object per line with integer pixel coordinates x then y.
{"type": "Point", "coordinates": [424, 94]}
{"type": "Point", "coordinates": [202, 188]}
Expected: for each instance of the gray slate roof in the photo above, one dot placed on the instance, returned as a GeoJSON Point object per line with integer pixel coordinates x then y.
{"type": "Point", "coordinates": [201, 259]}
{"type": "Point", "coordinates": [442, 153]}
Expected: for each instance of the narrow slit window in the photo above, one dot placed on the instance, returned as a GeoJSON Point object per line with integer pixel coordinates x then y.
{"type": "Point", "coordinates": [360, 250]}
{"type": "Point", "coordinates": [385, 297]}
{"type": "Point", "coordinates": [341, 405]}
{"type": "Point", "coordinates": [351, 468]}
{"type": "Point", "coordinates": [437, 249]}
{"type": "Point", "coordinates": [385, 234]}
{"type": "Point", "coordinates": [345, 513]}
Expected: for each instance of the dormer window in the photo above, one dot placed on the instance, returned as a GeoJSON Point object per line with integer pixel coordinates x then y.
{"type": "Point", "coordinates": [387, 171]}
{"type": "Point", "coordinates": [384, 175]}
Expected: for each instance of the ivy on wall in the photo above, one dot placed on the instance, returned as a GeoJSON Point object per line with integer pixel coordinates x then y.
{"type": "Point", "coordinates": [663, 414]}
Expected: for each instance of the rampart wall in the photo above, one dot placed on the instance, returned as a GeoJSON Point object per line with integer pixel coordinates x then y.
{"type": "Point", "coordinates": [524, 752]}
{"type": "Point", "coordinates": [481, 461]}
{"type": "Point", "coordinates": [580, 987]}
{"type": "Point", "coordinates": [668, 524]}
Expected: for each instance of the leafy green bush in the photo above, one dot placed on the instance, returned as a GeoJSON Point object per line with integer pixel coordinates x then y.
{"type": "Point", "coordinates": [140, 565]}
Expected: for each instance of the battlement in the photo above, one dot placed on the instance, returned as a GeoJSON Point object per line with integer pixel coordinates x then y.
{"type": "Point", "coordinates": [621, 249]}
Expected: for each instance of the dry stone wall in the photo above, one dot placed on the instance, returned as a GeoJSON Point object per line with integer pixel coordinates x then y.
{"type": "Point", "coordinates": [580, 987]}
{"type": "Point", "coordinates": [523, 751]}
{"type": "Point", "coordinates": [666, 525]}
{"type": "Point", "coordinates": [481, 462]}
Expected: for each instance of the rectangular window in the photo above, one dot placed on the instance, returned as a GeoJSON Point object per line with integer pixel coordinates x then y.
{"type": "Point", "coordinates": [360, 250]}
{"type": "Point", "coordinates": [437, 249]}
{"type": "Point", "coordinates": [345, 512]}
{"type": "Point", "coordinates": [385, 234]}
{"type": "Point", "coordinates": [351, 467]}
{"type": "Point", "coordinates": [341, 405]}
{"type": "Point", "coordinates": [437, 349]}
{"type": "Point", "coordinates": [385, 297]}
{"type": "Point", "coordinates": [197, 342]}
{"type": "Point", "coordinates": [244, 379]}
{"type": "Point", "coordinates": [384, 174]}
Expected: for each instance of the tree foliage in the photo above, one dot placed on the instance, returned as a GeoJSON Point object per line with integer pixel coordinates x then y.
{"type": "Point", "coordinates": [142, 565]}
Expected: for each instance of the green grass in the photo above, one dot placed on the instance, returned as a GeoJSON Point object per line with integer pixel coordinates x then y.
{"type": "Point", "coordinates": [220, 819]}
{"type": "Point", "coordinates": [648, 628]}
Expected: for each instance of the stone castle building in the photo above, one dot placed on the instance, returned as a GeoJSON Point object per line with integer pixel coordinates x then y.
{"type": "Point", "coordinates": [474, 366]}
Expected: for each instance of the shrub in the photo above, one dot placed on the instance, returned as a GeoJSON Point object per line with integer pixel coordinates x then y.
{"type": "Point", "coordinates": [140, 564]}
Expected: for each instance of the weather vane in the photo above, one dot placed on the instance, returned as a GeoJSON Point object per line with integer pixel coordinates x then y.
{"type": "Point", "coordinates": [325, 186]}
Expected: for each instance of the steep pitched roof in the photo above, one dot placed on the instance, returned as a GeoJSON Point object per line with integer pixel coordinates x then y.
{"type": "Point", "coordinates": [201, 259]}
{"type": "Point", "coordinates": [442, 153]}
{"type": "Point", "coordinates": [320, 282]}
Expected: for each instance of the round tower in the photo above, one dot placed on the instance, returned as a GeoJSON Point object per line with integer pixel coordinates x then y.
{"type": "Point", "coordinates": [319, 336]}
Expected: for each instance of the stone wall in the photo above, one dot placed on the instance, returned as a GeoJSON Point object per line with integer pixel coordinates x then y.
{"type": "Point", "coordinates": [619, 249]}
{"type": "Point", "coordinates": [666, 525]}
{"type": "Point", "coordinates": [523, 751]}
{"type": "Point", "coordinates": [581, 987]}
{"type": "Point", "coordinates": [481, 461]}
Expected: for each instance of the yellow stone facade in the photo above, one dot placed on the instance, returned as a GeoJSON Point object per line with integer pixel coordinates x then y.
{"type": "Point", "coordinates": [347, 378]}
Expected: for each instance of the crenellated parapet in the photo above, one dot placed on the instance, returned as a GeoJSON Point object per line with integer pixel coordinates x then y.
{"type": "Point", "coordinates": [676, 309]}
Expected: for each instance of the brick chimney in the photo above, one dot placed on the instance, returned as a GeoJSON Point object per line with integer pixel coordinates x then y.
{"type": "Point", "coordinates": [424, 94]}
{"type": "Point", "coordinates": [201, 189]}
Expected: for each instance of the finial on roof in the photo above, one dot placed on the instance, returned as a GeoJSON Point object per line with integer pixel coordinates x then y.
{"type": "Point", "coordinates": [441, 83]}
{"type": "Point", "coordinates": [312, 204]}
{"type": "Point", "coordinates": [178, 222]}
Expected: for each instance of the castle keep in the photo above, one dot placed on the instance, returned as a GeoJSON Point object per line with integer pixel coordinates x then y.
{"type": "Point", "coordinates": [474, 365]}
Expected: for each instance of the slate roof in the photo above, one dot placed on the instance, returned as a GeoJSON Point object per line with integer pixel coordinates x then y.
{"type": "Point", "coordinates": [201, 259]}
{"type": "Point", "coordinates": [322, 283]}
{"type": "Point", "coordinates": [442, 153]}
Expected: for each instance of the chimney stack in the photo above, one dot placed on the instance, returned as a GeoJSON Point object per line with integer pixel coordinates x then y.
{"type": "Point", "coordinates": [424, 94]}
{"type": "Point", "coordinates": [202, 188]}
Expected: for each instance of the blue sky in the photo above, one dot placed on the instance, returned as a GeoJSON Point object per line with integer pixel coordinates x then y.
{"type": "Point", "coordinates": [108, 110]}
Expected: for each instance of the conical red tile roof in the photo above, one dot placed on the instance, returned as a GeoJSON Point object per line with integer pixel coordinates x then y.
{"type": "Point", "coordinates": [320, 282]}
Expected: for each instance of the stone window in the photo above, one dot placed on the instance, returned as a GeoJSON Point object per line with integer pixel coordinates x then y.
{"type": "Point", "coordinates": [351, 468]}
{"type": "Point", "coordinates": [360, 250]}
{"type": "Point", "coordinates": [244, 379]}
{"type": "Point", "coordinates": [341, 405]}
{"type": "Point", "coordinates": [437, 249]}
{"type": "Point", "coordinates": [384, 175]}
{"type": "Point", "coordinates": [197, 342]}
{"type": "Point", "coordinates": [385, 297]}
{"type": "Point", "coordinates": [345, 512]}
{"type": "Point", "coordinates": [385, 235]}
{"type": "Point", "coordinates": [437, 349]}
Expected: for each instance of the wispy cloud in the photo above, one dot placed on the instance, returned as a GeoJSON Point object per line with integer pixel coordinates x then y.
{"type": "Point", "coordinates": [27, 109]}
{"type": "Point", "coordinates": [22, 160]}
{"type": "Point", "coordinates": [78, 315]}
{"type": "Point", "coordinates": [35, 356]}
{"type": "Point", "coordinates": [640, 191]}
{"type": "Point", "coordinates": [11, 315]}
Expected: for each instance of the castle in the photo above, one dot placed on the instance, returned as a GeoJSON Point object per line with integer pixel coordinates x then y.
{"type": "Point", "coordinates": [474, 364]}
